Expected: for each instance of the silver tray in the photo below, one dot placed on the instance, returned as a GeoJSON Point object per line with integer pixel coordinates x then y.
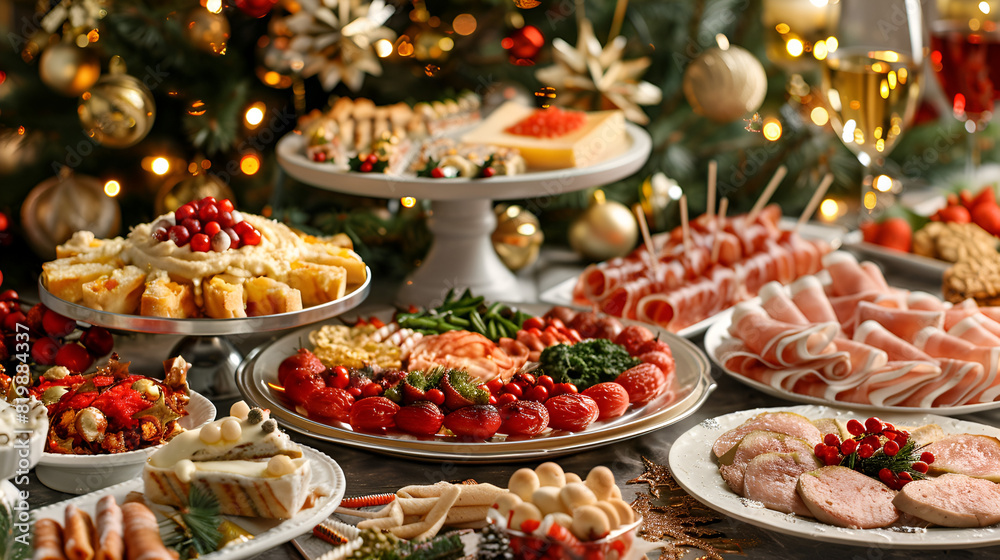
{"type": "Point", "coordinates": [206, 326]}
{"type": "Point", "coordinates": [694, 384]}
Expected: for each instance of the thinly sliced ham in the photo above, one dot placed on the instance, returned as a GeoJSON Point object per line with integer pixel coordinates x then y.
{"type": "Point", "coordinates": [777, 342]}
{"type": "Point", "coordinates": [779, 306]}
{"type": "Point", "coordinates": [787, 423]}
{"type": "Point", "coordinates": [875, 274]}
{"type": "Point", "coordinates": [953, 387]}
{"type": "Point", "coordinates": [808, 295]}
{"type": "Point", "coordinates": [771, 479]}
{"type": "Point", "coordinates": [846, 275]}
{"type": "Point", "coordinates": [874, 334]}
{"type": "Point", "coordinates": [904, 323]}
{"type": "Point", "coordinates": [891, 384]}
{"type": "Point", "coordinates": [972, 329]}
{"type": "Point", "coordinates": [940, 344]}
{"type": "Point", "coordinates": [923, 301]}
{"type": "Point", "coordinates": [733, 464]}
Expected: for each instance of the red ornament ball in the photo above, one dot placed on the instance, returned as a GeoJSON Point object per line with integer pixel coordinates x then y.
{"type": "Point", "coordinates": [524, 43]}
{"type": "Point", "coordinates": [4, 222]}
{"type": "Point", "coordinates": [255, 8]}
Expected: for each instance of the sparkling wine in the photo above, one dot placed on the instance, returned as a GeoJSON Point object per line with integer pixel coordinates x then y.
{"type": "Point", "coordinates": [872, 96]}
{"type": "Point", "coordinates": [967, 65]}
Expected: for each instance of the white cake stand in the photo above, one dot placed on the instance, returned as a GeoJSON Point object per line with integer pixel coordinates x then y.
{"type": "Point", "coordinates": [462, 255]}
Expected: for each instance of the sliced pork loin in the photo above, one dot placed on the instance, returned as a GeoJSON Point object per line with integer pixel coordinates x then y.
{"type": "Point", "coordinates": [846, 498]}
{"type": "Point", "coordinates": [771, 479]}
{"type": "Point", "coordinates": [972, 455]}
{"type": "Point", "coordinates": [951, 500]}
{"type": "Point", "coordinates": [733, 464]}
{"type": "Point", "coordinates": [781, 422]}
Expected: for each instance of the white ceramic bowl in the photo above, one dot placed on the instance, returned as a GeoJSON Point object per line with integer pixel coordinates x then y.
{"type": "Point", "coordinates": [17, 459]}
{"type": "Point", "coordinates": [80, 474]}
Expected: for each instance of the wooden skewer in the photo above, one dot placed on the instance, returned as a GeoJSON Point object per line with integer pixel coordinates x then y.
{"type": "Point", "coordinates": [717, 241]}
{"type": "Point", "coordinates": [640, 216]}
{"type": "Point", "coordinates": [814, 201]}
{"type": "Point", "coordinates": [685, 229]}
{"type": "Point", "coordinates": [766, 195]}
{"type": "Point", "coordinates": [713, 170]}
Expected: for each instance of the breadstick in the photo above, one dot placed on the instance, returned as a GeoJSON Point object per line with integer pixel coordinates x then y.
{"type": "Point", "coordinates": [110, 530]}
{"type": "Point", "coordinates": [48, 542]}
{"type": "Point", "coordinates": [394, 519]}
{"type": "Point", "coordinates": [79, 535]}
{"type": "Point", "coordinates": [434, 520]}
{"type": "Point", "coordinates": [142, 534]}
{"type": "Point", "coordinates": [456, 516]}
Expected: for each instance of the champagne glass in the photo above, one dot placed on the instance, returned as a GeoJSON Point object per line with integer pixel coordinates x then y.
{"type": "Point", "coordinates": [872, 82]}
{"type": "Point", "coordinates": [965, 55]}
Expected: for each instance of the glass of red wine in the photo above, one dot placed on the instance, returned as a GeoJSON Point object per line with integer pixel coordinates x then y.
{"type": "Point", "coordinates": [965, 55]}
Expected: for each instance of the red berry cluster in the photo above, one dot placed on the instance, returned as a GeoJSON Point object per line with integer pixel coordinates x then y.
{"type": "Point", "coordinates": [368, 164]}
{"type": "Point", "coordinates": [49, 335]}
{"type": "Point", "coordinates": [874, 443]}
{"type": "Point", "coordinates": [208, 225]}
{"type": "Point", "coordinates": [549, 123]}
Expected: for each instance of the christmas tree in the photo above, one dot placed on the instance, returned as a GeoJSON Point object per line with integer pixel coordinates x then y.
{"type": "Point", "coordinates": [154, 99]}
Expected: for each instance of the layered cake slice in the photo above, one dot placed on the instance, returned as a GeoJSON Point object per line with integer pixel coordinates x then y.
{"type": "Point", "coordinates": [251, 467]}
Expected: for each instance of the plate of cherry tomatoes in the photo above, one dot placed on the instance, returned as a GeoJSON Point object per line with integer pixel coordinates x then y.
{"type": "Point", "coordinates": [540, 384]}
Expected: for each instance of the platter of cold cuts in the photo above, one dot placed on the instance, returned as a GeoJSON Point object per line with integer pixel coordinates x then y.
{"type": "Point", "coordinates": [475, 381]}
{"type": "Point", "coordinates": [912, 481]}
{"type": "Point", "coordinates": [846, 338]}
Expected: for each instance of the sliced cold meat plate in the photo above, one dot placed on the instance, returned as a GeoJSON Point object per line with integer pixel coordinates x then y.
{"type": "Point", "coordinates": [771, 479]}
{"type": "Point", "coordinates": [782, 422]}
{"type": "Point", "coordinates": [972, 455]}
{"type": "Point", "coordinates": [846, 498]}
{"type": "Point", "coordinates": [951, 500]}
{"type": "Point", "coordinates": [734, 463]}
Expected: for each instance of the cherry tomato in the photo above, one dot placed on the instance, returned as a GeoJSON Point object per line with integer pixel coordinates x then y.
{"type": "Point", "coordinates": [533, 323]}
{"type": "Point", "coordinates": [340, 377]}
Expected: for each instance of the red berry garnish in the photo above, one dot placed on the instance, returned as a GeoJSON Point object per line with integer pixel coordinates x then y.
{"type": "Point", "coordinates": [891, 448]}
{"type": "Point", "coordinates": [208, 212]}
{"type": "Point", "coordinates": [832, 440]}
{"type": "Point", "coordinates": [355, 392]}
{"type": "Point", "coordinates": [888, 426]}
{"type": "Point", "coordinates": [211, 228]}
{"type": "Point", "coordinates": [56, 325]}
{"type": "Point", "coordinates": [435, 395]}
{"type": "Point", "coordinates": [526, 380]}
{"type": "Point", "coordinates": [319, 157]}
{"type": "Point", "coordinates": [890, 435]}
{"type": "Point", "coordinates": [98, 341]}
{"type": "Point", "coordinates": [234, 238]}
{"type": "Point", "coordinates": [513, 389]}
{"type": "Point", "coordinates": [225, 205]}
{"type": "Point", "coordinates": [207, 201]}
{"type": "Point", "coordinates": [184, 212]}
{"type": "Point", "coordinates": [192, 225]}
{"type": "Point", "coordinates": [886, 476]}
{"type": "Point", "coordinates": [492, 399]}
{"type": "Point", "coordinates": [251, 237]}
{"type": "Point", "coordinates": [366, 167]}
{"type": "Point", "coordinates": [905, 477]}
{"type": "Point", "coordinates": [831, 458]}
{"type": "Point", "coordinates": [437, 173]}
{"type": "Point", "coordinates": [495, 386]}
{"type": "Point", "coordinates": [12, 319]}
{"type": "Point", "coordinates": [920, 467]}
{"type": "Point", "coordinates": [873, 425]}
{"type": "Point", "coordinates": [819, 450]}
{"type": "Point", "coordinates": [489, 172]}
{"type": "Point", "coordinates": [566, 388]}
{"type": "Point", "coordinates": [372, 390]}
{"type": "Point", "coordinates": [546, 381]}
{"type": "Point", "coordinates": [8, 295]}
{"type": "Point", "coordinates": [43, 351]}
{"type": "Point", "coordinates": [865, 451]}
{"type": "Point", "coordinates": [927, 457]}
{"type": "Point", "coordinates": [225, 219]}
{"type": "Point", "coordinates": [902, 437]}
{"type": "Point", "coordinates": [372, 159]}
{"type": "Point", "coordinates": [873, 441]}
{"type": "Point", "coordinates": [537, 393]}
{"type": "Point", "coordinates": [74, 357]}
{"type": "Point", "coordinates": [161, 234]}
{"type": "Point", "coordinates": [505, 398]}
{"type": "Point", "coordinates": [849, 446]}
{"type": "Point", "coordinates": [201, 243]}
{"type": "Point", "coordinates": [179, 235]}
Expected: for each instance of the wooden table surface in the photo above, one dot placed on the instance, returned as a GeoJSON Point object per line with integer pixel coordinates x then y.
{"type": "Point", "coordinates": [369, 472]}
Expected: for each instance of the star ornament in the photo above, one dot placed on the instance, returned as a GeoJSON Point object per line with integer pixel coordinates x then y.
{"type": "Point", "coordinates": [335, 39]}
{"type": "Point", "coordinates": [589, 70]}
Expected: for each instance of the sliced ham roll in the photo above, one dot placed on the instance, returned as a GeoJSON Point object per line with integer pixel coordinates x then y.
{"type": "Point", "coordinates": [891, 384]}
{"type": "Point", "coordinates": [958, 314]}
{"type": "Point", "coordinates": [778, 342]}
{"type": "Point", "coordinates": [874, 334]}
{"type": "Point", "coordinates": [779, 306]}
{"type": "Point", "coordinates": [904, 323]}
{"type": "Point", "coordinates": [953, 387]}
{"type": "Point", "coordinates": [689, 304]}
{"type": "Point", "coordinates": [846, 275]}
{"type": "Point", "coordinates": [940, 344]}
{"type": "Point", "coordinates": [991, 312]}
{"type": "Point", "coordinates": [846, 307]}
{"type": "Point", "coordinates": [875, 275]}
{"type": "Point", "coordinates": [922, 301]}
{"type": "Point", "coordinates": [808, 295]}
{"type": "Point", "coordinates": [972, 330]}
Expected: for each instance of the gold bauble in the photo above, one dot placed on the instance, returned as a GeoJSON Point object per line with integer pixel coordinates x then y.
{"type": "Point", "coordinates": [606, 229]}
{"type": "Point", "coordinates": [118, 111]}
{"type": "Point", "coordinates": [62, 205]}
{"type": "Point", "coordinates": [207, 31]}
{"type": "Point", "coordinates": [517, 238]}
{"type": "Point", "coordinates": [18, 149]}
{"type": "Point", "coordinates": [187, 188]}
{"type": "Point", "coordinates": [725, 85]}
{"type": "Point", "coordinates": [68, 69]}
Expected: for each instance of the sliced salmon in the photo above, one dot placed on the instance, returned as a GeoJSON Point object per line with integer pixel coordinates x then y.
{"type": "Point", "coordinates": [951, 500]}
{"type": "Point", "coordinates": [771, 479]}
{"type": "Point", "coordinates": [846, 498]}
{"type": "Point", "coordinates": [973, 455]}
{"type": "Point", "coordinates": [733, 464]}
{"type": "Point", "coordinates": [781, 422]}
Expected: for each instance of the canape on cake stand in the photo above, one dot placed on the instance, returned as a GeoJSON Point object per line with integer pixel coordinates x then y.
{"type": "Point", "coordinates": [205, 344]}
{"type": "Point", "coordinates": [462, 255]}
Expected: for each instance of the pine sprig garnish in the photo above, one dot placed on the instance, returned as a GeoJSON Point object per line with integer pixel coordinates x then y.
{"type": "Point", "coordinates": [879, 450]}
{"type": "Point", "coordinates": [196, 526]}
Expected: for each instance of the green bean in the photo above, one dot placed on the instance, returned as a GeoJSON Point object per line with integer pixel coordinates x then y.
{"type": "Point", "coordinates": [443, 325]}
{"type": "Point", "coordinates": [449, 295]}
{"type": "Point", "coordinates": [491, 330]}
{"type": "Point", "coordinates": [493, 309]}
{"type": "Point", "coordinates": [457, 321]}
{"type": "Point", "coordinates": [477, 323]}
{"type": "Point", "coordinates": [508, 326]}
{"type": "Point", "coordinates": [420, 323]}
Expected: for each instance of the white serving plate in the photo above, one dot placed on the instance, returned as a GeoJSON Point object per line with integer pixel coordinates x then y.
{"type": "Point", "coordinates": [268, 533]}
{"type": "Point", "coordinates": [719, 332]}
{"type": "Point", "coordinates": [694, 384]}
{"type": "Point", "coordinates": [79, 474]}
{"type": "Point", "coordinates": [694, 468]}
{"type": "Point", "coordinates": [562, 293]}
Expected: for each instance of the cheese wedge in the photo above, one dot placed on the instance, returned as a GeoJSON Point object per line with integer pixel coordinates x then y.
{"type": "Point", "coordinates": [602, 136]}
